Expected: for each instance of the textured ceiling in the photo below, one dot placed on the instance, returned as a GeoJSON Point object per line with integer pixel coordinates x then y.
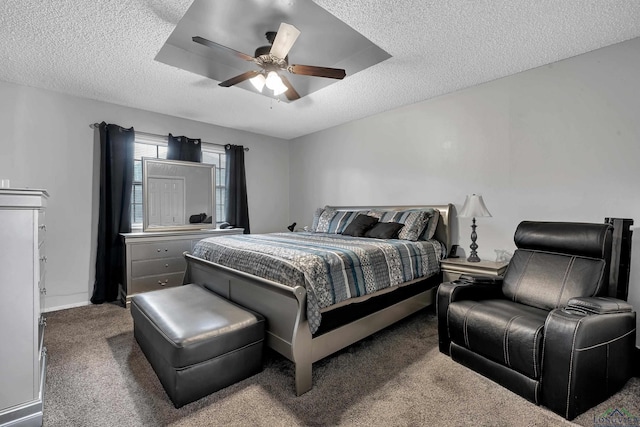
{"type": "Point", "coordinates": [105, 49]}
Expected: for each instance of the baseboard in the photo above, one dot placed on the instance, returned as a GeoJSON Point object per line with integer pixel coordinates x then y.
{"type": "Point", "coordinates": [66, 306]}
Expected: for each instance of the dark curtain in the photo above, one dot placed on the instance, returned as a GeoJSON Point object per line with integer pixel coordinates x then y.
{"type": "Point", "coordinates": [183, 148]}
{"type": "Point", "coordinates": [116, 178]}
{"type": "Point", "coordinates": [237, 206]}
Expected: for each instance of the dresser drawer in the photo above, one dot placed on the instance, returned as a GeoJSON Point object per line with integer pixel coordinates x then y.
{"type": "Point", "coordinates": [163, 249]}
{"type": "Point", "coordinates": [157, 266]}
{"type": "Point", "coordinates": [153, 283]}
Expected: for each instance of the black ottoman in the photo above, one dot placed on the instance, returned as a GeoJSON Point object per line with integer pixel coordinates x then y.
{"type": "Point", "coordinates": [196, 341]}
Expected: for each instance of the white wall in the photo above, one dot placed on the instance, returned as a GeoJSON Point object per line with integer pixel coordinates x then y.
{"type": "Point", "coordinates": [561, 142]}
{"type": "Point", "coordinates": [47, 143]}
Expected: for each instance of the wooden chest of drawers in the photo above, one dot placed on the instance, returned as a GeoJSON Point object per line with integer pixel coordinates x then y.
{"type": "Point", "coordinates": [155, 261]}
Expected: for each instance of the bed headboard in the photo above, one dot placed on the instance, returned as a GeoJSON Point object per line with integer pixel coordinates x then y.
{"type": "Point", "coordinates": [443, 232]}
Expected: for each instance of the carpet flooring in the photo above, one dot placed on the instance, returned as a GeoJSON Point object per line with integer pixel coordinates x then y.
{"type": "Point", "coordinates": [98, 376]}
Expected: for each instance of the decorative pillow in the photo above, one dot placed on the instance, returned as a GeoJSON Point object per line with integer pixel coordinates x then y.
{"type": "Point", "coordinates": [384, 230]}
{"type": "Point", "coordinates": [360, 225]}
{"type": "Point", "coordinates": [316, 218]}
{"type": "Point", "coordinates": [341, 220]}
{"type": "Point", "coordinates": [430, 229]}
{"type": "Point", "coordinates": [324, 220]}
{"type": "Point", "coordinates": [414, 221]}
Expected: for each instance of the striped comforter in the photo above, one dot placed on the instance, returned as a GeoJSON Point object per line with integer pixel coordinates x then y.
{"type": "Point", "coordinates": [332, 267]}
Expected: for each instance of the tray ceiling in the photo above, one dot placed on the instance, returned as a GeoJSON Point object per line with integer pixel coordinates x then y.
{"type": "Point", "coordinates": [324, 41]}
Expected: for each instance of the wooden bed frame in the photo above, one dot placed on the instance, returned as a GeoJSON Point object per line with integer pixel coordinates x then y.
{"type": "Point", "coordinates": [284, 307]}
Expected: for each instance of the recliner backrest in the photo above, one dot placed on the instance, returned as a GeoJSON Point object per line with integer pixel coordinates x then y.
{"type": "Point", "coordinates": [557, 261]}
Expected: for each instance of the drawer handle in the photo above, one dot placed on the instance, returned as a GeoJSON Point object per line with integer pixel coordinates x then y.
{"type": "Point", "coordinates": [166, 265]}
{"type": "Point", "coordinates": [42, 227]}
{"type": "Point", "coordinates": [165, 249]}
{"type": "Point", "coordinates": [163, 283]}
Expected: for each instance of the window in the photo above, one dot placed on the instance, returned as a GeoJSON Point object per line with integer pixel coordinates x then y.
{"type": "Point", "coordinates": [151, 146]}
{"type": "Point", "coordinates": [218, 158]}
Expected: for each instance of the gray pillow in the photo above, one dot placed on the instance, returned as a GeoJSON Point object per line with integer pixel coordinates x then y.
{"type": "Point", "coordinates": [384, 230]}
{"type": "Point", "coordinates": [360, 225]}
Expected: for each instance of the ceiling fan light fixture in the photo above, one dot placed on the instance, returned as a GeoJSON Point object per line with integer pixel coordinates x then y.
{"type": "Point", "coordinates": [273, 80]}
{"type": "Point", "coordinates": [280, 90]}
{"type": "Point", "coordinates": [258, 82]}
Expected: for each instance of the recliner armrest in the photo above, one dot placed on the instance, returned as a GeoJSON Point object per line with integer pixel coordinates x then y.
{"type": "Point", "coordinates": [598, 305]}
{"type": "Point", "coordinates": [586, 358]}
{"type": "Point", "coordinates": [458, 290]}
{"type": "Point", "coordinates": [477, 279]}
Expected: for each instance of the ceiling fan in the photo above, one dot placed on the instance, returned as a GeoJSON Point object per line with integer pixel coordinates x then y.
{"type": "Point", "coordinates": [274, 60]}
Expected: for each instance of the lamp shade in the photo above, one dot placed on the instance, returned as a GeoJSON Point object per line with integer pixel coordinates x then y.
{"type": "Point", "coordinates": [474, 207]}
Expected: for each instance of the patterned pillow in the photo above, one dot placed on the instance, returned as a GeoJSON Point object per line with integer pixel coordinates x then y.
{"type": "Point", "coordinates": [324, 220]}
{"type": "Point", "coordinates": [328, 220]}
{"type": "Point", "coordinates": [316, 218]}
{"type": "Point", "coordinates": [430, 229]}
{"type": "Point", "coordinates": [414, 221]}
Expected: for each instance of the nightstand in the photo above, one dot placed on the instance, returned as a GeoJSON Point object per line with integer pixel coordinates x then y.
{"type": "Point", "coordinates": [452, 268]}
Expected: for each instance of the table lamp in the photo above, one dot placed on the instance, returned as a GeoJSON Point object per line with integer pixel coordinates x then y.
{"type": "Point", "coordinates": [474, 208]}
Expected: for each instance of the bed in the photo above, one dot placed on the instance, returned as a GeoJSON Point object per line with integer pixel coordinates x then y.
{"type": "Point", "coordinates": [292, 327]}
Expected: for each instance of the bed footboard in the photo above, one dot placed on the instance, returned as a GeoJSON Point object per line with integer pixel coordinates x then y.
{"type": "Point", "coordinates": [285, 310]}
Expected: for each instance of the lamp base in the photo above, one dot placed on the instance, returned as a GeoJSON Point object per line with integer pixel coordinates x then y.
{"type": "Point", "coordinates": [473, 257]}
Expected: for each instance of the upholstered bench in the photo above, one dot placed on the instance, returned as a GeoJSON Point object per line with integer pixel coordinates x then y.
{"type": "Point", "coordinates": [196, 341]}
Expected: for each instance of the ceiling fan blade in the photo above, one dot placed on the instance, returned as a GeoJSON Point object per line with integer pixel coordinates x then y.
{"type": "Point", "coordinates": [285, 38]}
{"type": "Point", "coordinates": [311, 70]}
{"type": "Point", "coordinates": [209, 43]}
{"type": "Point", "coordinates": [291, 93]}
{"type": "Point", "coordinates": [239, 79]}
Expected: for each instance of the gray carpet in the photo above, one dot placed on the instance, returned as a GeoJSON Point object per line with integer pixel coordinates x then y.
{"type": "Point", "coordinates": [98, 376]}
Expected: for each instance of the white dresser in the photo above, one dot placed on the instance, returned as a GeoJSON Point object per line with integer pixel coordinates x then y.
{"type": "Point", "coordinates": [22, 280]}
{"type": "Point", "coordinates": [154, 260]}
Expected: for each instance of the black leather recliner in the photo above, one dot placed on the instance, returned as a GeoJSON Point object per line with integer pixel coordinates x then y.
{"type": "Point", "coordinates": [545, 331]}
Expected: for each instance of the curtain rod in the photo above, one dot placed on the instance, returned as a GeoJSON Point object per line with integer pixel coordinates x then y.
{"type": "Point", "coordinates": [97, 125]}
